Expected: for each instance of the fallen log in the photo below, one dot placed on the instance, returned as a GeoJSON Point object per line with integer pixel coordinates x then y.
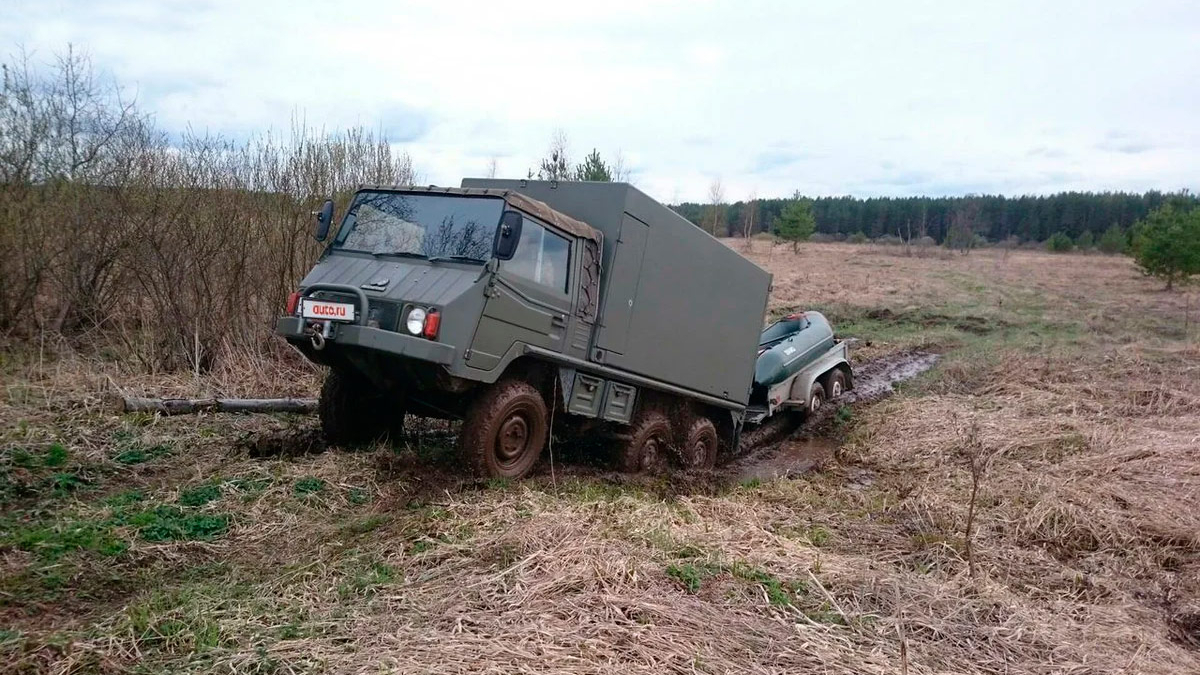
{"type": "Point", "coordinates": [186, 406]}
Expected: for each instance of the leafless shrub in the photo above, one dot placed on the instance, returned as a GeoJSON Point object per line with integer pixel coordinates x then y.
{"type": "Point", "coordinates": [167, 253]}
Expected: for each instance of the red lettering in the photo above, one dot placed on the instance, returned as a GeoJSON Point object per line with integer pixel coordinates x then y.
{"type": "Point", "coordinates": [328, 310]}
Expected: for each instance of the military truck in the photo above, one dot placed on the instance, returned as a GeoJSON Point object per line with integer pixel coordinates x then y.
{"type": "Point", "coordinates": [530, 307]}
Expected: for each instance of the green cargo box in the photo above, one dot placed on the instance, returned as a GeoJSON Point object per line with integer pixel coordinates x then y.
{"type": "Point", "coordinates": [677, 306]}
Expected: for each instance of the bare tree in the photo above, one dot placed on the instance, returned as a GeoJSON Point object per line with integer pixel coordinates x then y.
{"type": "Point", "coordinates": [714, 216]}
{"type": "Point", "coordinates": [556, 165]}
{"type": "Point", "coordinates": [978, 458]}
{"type": "Point", "coordinates": [620, 169]}
{"type": "Point", "coordinates": [749, 217]}
{"type": "Point", "coordinates": [106, 224]}
{"type": "Point", "coordinates": [492, 166]}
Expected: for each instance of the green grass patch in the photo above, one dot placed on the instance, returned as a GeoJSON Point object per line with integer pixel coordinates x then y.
{"type": "Point", "coordinates": [365, 579]}
{"type": "Point", "coordinates": [368, 524]}
{"type": "Point", "coordinates": [422, 545]}
{"type": "Point", "coordinates": [199, 496]}
{"type": "Point", "coordinates": [170, 523]}
{"type": "Point", "coordinates": [778, 593]}
{"type": "Point", "coordinates": [51, 541]}
{"type": "Point", "coordinates": [62, 484]}
{"type": "Point", "coordinates": [140, 454]}
{"type": "Point", "coordinates": [126, 498]}
{"type": "Point", "coordinates": [56, 456]}
{"type": "Point", "coordinates": [178, 620]}
{"type": "Point", "coordinates": [692, 575]}
{"type": "Point", "coordinates": [308, 486]}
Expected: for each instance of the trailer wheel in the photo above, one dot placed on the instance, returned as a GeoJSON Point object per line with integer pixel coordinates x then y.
{"type": "Point", "coordinates": [699, 449]}
{"type": "Point", "coordinates": [352, 410]}
{"type": "Point", "coordinates": [816, 398]}
{"type": "Point", "coordinates": [836, 384]}
{"type": "Point", "coordinates": [504, 430]}
{"type": "Point", "coordinates": [647, 446]}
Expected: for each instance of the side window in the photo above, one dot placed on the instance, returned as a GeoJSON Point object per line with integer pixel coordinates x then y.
{"type": "Point", "coordinates": [541, 256]}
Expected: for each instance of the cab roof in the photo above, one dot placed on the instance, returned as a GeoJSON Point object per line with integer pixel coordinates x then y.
{"type": "Point", "coordinates": [515, 199]}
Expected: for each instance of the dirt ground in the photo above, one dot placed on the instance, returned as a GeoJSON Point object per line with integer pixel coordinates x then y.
{"type": "Point", "coordinates": [1060, 426]}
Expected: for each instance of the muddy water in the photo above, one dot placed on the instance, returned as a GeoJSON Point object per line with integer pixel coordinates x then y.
{"type": "Point", "coordinates": [876, 378]}
{"type": "Point", "coordinates": [802, 448]}
{"type": "Point", "coordinates": [790, 458]}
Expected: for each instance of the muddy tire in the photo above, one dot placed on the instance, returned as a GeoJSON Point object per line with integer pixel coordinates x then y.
{"type": "Point", "coordinates": [700, 444]}
{"type": "Point", "coordinates": [835, 384]}
{"type": "Point", "coordinates": [647, 447]}
{"type": "Point", "coordinates": [504, 430]}
{"type": "Point", "coordinates": [352, 410]}
{"type": "Point", "coordinates": [816, 398]}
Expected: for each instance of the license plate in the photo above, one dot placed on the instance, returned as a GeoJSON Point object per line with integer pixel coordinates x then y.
{"type": "Point", "coordinates": [332, 311]}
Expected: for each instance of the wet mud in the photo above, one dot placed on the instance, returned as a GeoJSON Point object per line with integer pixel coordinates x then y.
{"type": "Point", "coordinates": [790, 445]}
{"type": "Point", "coordinates": [785, 446]}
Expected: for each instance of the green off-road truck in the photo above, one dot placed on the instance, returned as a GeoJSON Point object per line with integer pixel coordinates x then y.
{"type": "Point", "coordinates": [518, 306]}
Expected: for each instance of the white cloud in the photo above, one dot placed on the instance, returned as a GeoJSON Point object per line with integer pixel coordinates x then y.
{"type": "Point", "coordinates": [830, 98]}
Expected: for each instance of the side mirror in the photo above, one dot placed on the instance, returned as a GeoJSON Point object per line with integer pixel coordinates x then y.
{"type": "Point", "coordinates": [507, 235]}
{"type": "Point", "coordinates": [324, 218]}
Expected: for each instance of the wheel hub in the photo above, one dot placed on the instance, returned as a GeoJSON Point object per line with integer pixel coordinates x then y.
{"type": "Point", "coordinates": [512, 439]}
{"type": "Point", "coordinates": [650, 454]}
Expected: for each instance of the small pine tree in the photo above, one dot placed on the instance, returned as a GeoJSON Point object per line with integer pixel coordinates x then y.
{"type": "Point", "coordinates": [1084, 241]}
{"type": "Point", "coordinates": [593, 168]}
{"type": "Point", "coordinates": [795, 223]}
{"type": "Point", "coordinates": [1167, 244]}
{"type": "Point", "coordinates": [1059, 242]}
{"type": "Point", "coordinates": [1113, 240]}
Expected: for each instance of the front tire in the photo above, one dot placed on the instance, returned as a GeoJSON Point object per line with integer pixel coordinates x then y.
{"type": "Point", "coordinates": [352, 410]}
{"type": "Point", "coordinates": [505, 430]}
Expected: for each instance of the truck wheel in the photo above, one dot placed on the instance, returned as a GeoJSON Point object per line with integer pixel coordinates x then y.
{"type": "Point", "coordinates": [648, 444]}
{"type": "Point", "coordinates": [351, 409]}
{"type": "Point", "coordinates": [504, 430]}
{"type": "Point", "coordinates": [816, 398]}
{"type": "Point", "coordinates": [836, 384]}
{"type": "Point", "coordinates": [699, 449]}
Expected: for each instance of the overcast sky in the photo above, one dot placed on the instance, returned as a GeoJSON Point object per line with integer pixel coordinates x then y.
{"type": "Point", "coordinates": [862, 98]}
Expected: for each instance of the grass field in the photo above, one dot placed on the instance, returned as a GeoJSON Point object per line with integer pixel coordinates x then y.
{"type": "Point", "coordinates": [1067, 400]}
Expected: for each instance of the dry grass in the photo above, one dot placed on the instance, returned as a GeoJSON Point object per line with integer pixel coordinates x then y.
{"type": "Point", "coordinates": [1075, 371]}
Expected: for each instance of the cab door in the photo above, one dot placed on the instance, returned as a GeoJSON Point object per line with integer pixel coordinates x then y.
{"type": "Point", "coordinates": [529, 299]}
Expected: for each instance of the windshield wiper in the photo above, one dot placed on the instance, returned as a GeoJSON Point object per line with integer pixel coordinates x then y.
{"type": "Point", "coordinates": [459, 258]}
{"type": "Point", "coordinates": [401, 254]}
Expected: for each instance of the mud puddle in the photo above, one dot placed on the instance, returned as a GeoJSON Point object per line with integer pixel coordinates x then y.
{"type": "Point", "coordinates": [787, 446]}
{"type": "Point", "coordinates": [790, 458]}
{"type": "Point", "coordinates": [875, 379]}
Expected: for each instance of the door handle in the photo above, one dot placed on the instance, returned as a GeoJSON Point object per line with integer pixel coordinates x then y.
{"type": "Point", "coordinates": [558, 320]}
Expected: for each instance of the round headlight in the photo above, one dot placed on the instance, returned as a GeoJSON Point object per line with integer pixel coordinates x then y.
{"type": "Point", "coordinates": [416, 321]}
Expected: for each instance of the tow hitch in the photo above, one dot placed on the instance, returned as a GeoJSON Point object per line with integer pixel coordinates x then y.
{"type": "Point", "coordinates": [318, 332]}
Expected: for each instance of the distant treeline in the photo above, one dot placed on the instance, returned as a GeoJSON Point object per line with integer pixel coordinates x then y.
{"type": "Point", "coordinates": [995, 217]}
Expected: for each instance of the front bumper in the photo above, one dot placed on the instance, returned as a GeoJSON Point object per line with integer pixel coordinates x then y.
{"type": "Point", "coordinates": [397, 344]}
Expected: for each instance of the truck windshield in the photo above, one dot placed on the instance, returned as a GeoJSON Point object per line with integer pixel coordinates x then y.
{"type": "Point", "coordinates": [421, 225]}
